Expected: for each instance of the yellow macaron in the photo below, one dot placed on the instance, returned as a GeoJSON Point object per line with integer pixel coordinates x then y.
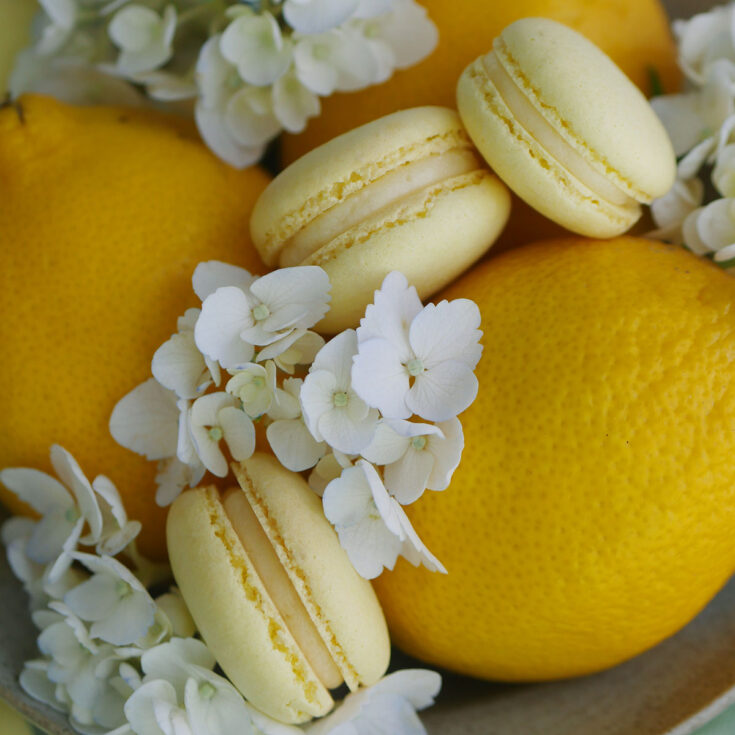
{"type": "Point", "coordinates": [273, 593]}
{"type": "Point", "coordinates": [406, 192]}
{"type": "Point", "coordinates": [565, 128]}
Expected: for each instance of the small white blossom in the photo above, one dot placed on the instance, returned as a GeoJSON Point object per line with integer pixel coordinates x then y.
{"type": "Point", "coordinates": [152, 709]}
{"type": "Point", "coordinates": [255, 46]}
{"type": "Point", "coordinates": [300, 347]}
{"type": "Point", "coordinates": [113, 600]}
{"type": "Point", "coordinates": [420, 363]}
{"type": "Point", "coordinates": [213, 418]}
{"type": "Point", "coordinates": [388, 707]}
{"type": "Point", "coordinates": [704, 39]}
{"type": "Point", "coordinates": [233, 321]}
{"type": "Point", "coordinates": [179, 366]}
{"type": "Point", "coordinates": [711, 229]}
{"type": "Point", "coordinates": [235, 128]}
{"type": "Point", "coordinates": [332, 409]}
{"type": "Point", "coordinates": [317, 16]}
{"type": "Point", "coordinates": [143, 37]}
{"type": "Point", "coordinates": [255, 386]}
{"type": "Point", "coordinates": [288, 435]}
{"type": "Point", "coordinates": [416, 456]}
{"type": "Point", "coordinates": [372, 527]}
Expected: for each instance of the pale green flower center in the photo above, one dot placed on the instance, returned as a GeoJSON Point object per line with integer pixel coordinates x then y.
{"type": "Point", "coordinates": [371, 30]}
{"type": "Point", "coordinates": [321, 52]}
{"type": "Point", "coordinates": [215, 433]}
{"type": "Point", "coordinates": [206, 690]}
{"type": "Point", "coordinates": [261, 312]}
{"type": "Point", "coordinates": [415, 367]}
{"type": "Point", "coordinates": [418, 442]}
{"type": "Point", "coordinates": [72, 515]}
{"type": "Point", "coordinates": [340, 399]}
{"type": "Point", "coordinates": [259, 381]}
{"type": "Point", "coordinates": [123, 589]}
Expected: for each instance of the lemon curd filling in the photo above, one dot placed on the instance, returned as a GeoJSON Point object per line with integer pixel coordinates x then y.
{"type": "Point", "coordinates": [386, 191]}
{"type": "Point", "coordinates": [278, 585]}
{"type": "Point", "coordinates": [547, 137]}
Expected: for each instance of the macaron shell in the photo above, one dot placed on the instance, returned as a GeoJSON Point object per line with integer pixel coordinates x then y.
{"type": "Point", "coordinates": [329, 174]}
{"type": "Point", "coordinates": [431, 237]}
{"type": "Point", "coordinates": [342, 604]}
{"type": "Point", "coordinates": [527, 168]}
{"type": "Point", "coordinates": [591, 103]}
{"type": "Point", "coordinates": [234, 613]}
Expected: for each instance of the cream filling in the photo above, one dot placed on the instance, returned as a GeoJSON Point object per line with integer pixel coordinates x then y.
{"type": "Point", "coordinates": [548, 138]}
{"type": "Point", "coordinates": [386, 191]}
{"type": "Point", "coordinates": [278, 585]}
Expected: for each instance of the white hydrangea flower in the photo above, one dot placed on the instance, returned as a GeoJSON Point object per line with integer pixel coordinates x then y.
{"type": "Point", "coordinates": [179, 366]}
{"type": "Point", "coordinates": [173, 476]}
{"type": "Point", "coordinates": [213, 274]}
{"type": "Point", "coordinates": [143, 37]}
{"type": "Point", "coordinates": [152, 709]}
{"type": "Point", "coordinates": [704, 39]}
{"type": "Point", "coordinates": [300, 347]}
{"type": "Point", "coordinates": [400, 38]}
{"type": "Point", "coordinates": [236, 128]}
{"type": "Point", "coordinates": [255, 386]}
{"type": "Point", "coordinates": [215, 417]}
{"type": "Point", "coordinates": [317, 16]}
{"type": "Point", "coordinates": [113, 600]}
{"type": "Point", "coordinates": [670, 210]}
{"type": "Point", "coordinates": [333, 411]}
{"type": "Point", "coordinates": [255, 45]}
{"type": "Point", "coordinates": [372, 527]}
{"type": "Point", "coordinates": [60, 22]}
{"type": "Point", "coordinates": [711, 229]}
{"type": "Point", "coordinates": [289, 438]}
{"type": "Point", "coordinates": [386, 707]}
{"type": "Point", "coordinates": [417, 362]}
{"type": "Point", "coordinates": [693, 117]}
{"type": "Point", "coordinates": [233, 321]}
{"type": "Point", "coordinates": [416, 456]}
{"type": "Point", "coordinates": [328, 468]}
{"type": "Point", "coordinates": [338, 60]}
{"type": "Point", "coordinates": [294, 103]}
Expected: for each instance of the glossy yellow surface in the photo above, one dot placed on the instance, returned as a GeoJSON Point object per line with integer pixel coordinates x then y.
{"type": "Point", "coordinates": [592, 513]}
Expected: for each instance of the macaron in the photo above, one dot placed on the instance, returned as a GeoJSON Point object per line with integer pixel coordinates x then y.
{"type": "Point", "coordinates": [559, 122]}
{"type": "Point", "coordinates": [405, 192]}
{"type": "Point", "coordinates": [273, 593]}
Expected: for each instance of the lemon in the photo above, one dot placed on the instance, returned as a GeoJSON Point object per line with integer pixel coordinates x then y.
{"type": "Point", "coordinates": [592, 513]}
{"type": "Point", "coordinates": [105, 214]}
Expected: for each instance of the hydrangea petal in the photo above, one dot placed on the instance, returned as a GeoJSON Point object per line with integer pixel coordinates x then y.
{"type": "Point", "coordinates": [248, 115]}
{"type": "Point", "coordinates": [34, 681]}
{"type": "Point", "coordinates": [139, 707]}
{"type": "Point", "coordinates": [213, 274]}
{"type": "Point", "coordinates": [218, 137]}
{"type": "Point", "coordinates": [348, 498]}
{"type": "Point", "coordinates": [178, 365]}
{"type": "Point", "coordinates": [94, 599]}
{"type": "Point", "coordinates": [447, 453]}
{"type": "Point", "coordinates": [414, 549]}
{"type": "Point", "coordinates": [443, 392]}
{"type": "Point", "coordinates": [41, 491]}
{"type": "Point", "coordinates": [146, 421]}
{"type": "Point", "coordinates": [128, 621]}
{"type": "Point", "coordinates": [317, 16]}
{"type": "Point", "coordinates": [407, 478]}
{"type": "Point", "coordinates": [409, 32]}
{"type": "Point", "coordinates": [370, 546]}
{"type": "Point", "coordinates": [380, 378]}
{"type": "Point", "coordinates": [293, 444]}
{"type": "Point", "coordinates": [387, 445]}
{"type": "Point", "coordinates": [294, 103]}
{"type": "Point", "coordinates": [51, 533]}
{"type": "Point", "coordinates": [340, 430]}
{"type": "Point", "coordinates": [316, 398]}
{"type": "Point", "coordinates": [225, 314]}
{"type": "Point", "coordinates": [239, 432]}
{"type": "Point", "coordinates": [220, 713]}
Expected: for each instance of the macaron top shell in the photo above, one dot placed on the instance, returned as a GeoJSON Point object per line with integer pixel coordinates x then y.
{"type": "Point", "coordinates": [328, 175]}
{"type": "Point", "coordinates": [341, 604]}
{"type": "Point", "coordinates": [590, 103]}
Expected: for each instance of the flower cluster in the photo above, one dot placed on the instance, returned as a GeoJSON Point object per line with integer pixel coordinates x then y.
{"type": "Point", "coordinates": [701, 123]}
{"type": "Point", "coordinates": [374, 418]}
{"type": "Point", "coordinates": [121, 662]}
{"type": "Point", "coordinates": [250, 68]}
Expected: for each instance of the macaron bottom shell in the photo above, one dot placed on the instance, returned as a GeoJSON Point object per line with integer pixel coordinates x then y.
{"type": "Point", "coordinates": [431, 237]}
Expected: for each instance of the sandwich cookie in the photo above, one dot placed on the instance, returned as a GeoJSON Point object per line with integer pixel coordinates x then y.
{"type": "Point", "coordinates": [407, 192]}
{"type": "Point", "coordinates": [273, 593]}
{"type": "Point", "coordinates": [565, 128]}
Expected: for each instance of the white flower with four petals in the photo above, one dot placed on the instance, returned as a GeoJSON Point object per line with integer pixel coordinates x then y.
{"type": "Point", "coordinates": [143, 37]}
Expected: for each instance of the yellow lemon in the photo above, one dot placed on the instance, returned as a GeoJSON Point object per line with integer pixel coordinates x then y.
{"type": "Point", "coordinates": [592, 513]}
{"type": "Point", "coordinates": [634, 33]}
{"type": "Point", "coordinates": [105, 214]}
